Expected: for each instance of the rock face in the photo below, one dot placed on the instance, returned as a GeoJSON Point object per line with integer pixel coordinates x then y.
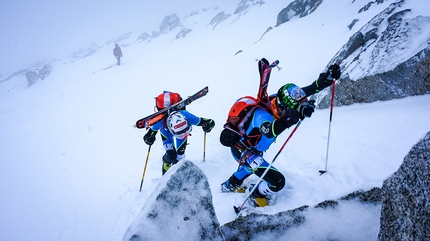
{"type": "Point", "coordinates": [405, 213]}
{"type": "Point", "coordinates": [299, 8]}
{"type": "Point", "coordinates": [388, 58]}
{"type": "Point", "coordinates": [179, 209]}
{"type": "Point", "coordinates": [219, 18]}
{"type": "Point", "coordinates": [33, 75]}
{"type": "Point", "coordinates": [170, 22]}
{"type": "Point", "coordinates": [277, 226]}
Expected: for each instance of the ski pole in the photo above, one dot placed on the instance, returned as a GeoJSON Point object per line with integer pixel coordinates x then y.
{"type": "Point", "coordinates": [238, 209]}
{"type": "Point", "coordinates": [144, 169]}
{"type": "Point", "coordinates": [204, 147]}
{"type": "Point", "coordinates": [329, 125]}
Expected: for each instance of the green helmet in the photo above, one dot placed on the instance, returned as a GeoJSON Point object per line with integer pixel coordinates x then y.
{"type": "Point", "coordinates": [289, 96]}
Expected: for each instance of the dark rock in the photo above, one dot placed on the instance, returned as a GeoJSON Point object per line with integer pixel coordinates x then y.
{"type": "Point", "coordinates": [31, 77]}
{"type": "Point", "coordinates": [182, 201]}
{"type": "Point", "coordinates": [373, 68]}
{"type": "Point", "coordinates": [183, 33]}
{"type": "Point", "coordinates": [144, 36]}
{"type": "Point", "coordinates": [219, 18]}
{"type": "Point", "coordinates": [405, 213]}
{"type": "Point", "coordinates": [299, 8]}
{"type": "Point", "coordinates": [169, 22]}
{"type": "Point", "coordinates": [252, 225]}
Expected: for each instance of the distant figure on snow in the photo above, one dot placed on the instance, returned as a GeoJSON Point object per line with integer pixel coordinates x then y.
{"type": "Point", "coordinates": [117, 53]}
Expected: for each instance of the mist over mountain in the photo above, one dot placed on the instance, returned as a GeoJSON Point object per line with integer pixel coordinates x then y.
{"type": "Point", "coordinates": [71, 162]}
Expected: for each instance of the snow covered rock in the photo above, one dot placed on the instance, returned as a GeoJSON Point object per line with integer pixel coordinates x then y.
{"type": "Point", "coordinates": [294, 224]}
{"type": "Point", "coordinates": [299, 8]}
{"type": "Point", "coordinates": [405, 211]}
{"type": "Point", "coordinates": [180, 208]}
{"type": "Point", "coordinates": [386, 59]}
{"type": "Point", "coordinates": [169, 23]}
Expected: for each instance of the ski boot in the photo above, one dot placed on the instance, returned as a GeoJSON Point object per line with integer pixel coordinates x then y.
{"type": "Point", "coordinates": [228, 187]}
{"type": "Point", "coordinates": [257, 199]}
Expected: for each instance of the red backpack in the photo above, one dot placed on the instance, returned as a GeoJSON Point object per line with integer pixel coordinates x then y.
{"type": "Point", "coordinates": [241, 111]}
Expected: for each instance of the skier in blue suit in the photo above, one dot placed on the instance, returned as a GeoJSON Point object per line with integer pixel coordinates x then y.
{"type": "Point", "coordinates": [282, 111]}
{"type": "Point", "coordinates": [174, 129]}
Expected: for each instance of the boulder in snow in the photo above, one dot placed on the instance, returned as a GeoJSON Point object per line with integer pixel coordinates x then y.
{"type": "Point", "coordinates": [179, 209]}
{"type": "Point", "coordinates": [405, 213]}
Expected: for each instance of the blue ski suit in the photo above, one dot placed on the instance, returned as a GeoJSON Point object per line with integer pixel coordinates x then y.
{"type": "Point", "coordinates": [175, 147]}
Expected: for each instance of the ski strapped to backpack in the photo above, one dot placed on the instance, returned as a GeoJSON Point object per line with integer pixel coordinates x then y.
{"type": "Point", "coordinates": [244, 107]}
{"type": "Point", "coordinates": [157, 116]}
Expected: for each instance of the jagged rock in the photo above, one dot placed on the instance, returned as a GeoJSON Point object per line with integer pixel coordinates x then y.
{"type": "Point", "coordinates": [405, 211]}
{"type": "Point", "coordinates": [31, 77]}
{"type": "Point", "coordinates": [252, 225]}
{"type": "Point", "coordinates": [366, 7]}
{"type": "Point", "coordinates": [242, 6]}
{"type": "Point", "coordinates": [256, 225]}
{"type": "Point", "coordinates": [169, 22]}
{"type": "Point", "coordinates": [299, 8]}
{"type": "Point", "coordinates": [179, 209]}
{"type": "Point", "coordinates": [383, 61]}
{"type": "Point", "coordinates": [373, 196]}
{"type": "Point", "coordinates": [183, 33]}
{"type": "Point", "coordinates": [45, 71]}
{"type": "Point", "coordinates": [353, 23]}
{"type": "Point", "coordinates": [220, 17]}
{"type": "Point", "coordinates": [408, 79]}
{"type": "Point", "coordinates": [144, 36]}
{"type": "Point", "coordinates": [246, 4]}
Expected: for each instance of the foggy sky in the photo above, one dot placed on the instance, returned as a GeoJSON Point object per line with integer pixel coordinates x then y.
{"type": "Point", "coordinates": [32, 30]}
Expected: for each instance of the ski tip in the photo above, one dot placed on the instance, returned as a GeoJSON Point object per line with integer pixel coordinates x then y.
{"type": "Point", "coordinates": [322, 172]}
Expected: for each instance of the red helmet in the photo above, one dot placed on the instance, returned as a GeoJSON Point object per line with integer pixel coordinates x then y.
{"type": "Point", "coordinates": [166, 99]}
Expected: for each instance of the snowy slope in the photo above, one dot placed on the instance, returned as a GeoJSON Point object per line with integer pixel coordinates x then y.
{"type": "Point", "coordinates": [71, 163]}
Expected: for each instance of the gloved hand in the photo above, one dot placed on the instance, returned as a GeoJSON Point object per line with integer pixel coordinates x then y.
{"type": "Point", "coordinates": [333, 72]}
{"type": "Point", "coordinates": [306, 109]}
{"type": "Point", "coordinates": [290, 117]}
{"type": "Point", "coordinates": [149, 137]}
{"type": "Point", "coordinates": [207, 124]}
{"type": "Point", "coordinates": [326, 79]}
{"type": "Point", "coordinates": [228, 137]}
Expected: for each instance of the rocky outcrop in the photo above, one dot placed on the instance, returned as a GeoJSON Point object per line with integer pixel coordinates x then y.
{"type": "Point", "coordinates": [253, 225]}
{"type": "Point", "coordinates": [388, 58]}
{"type": "Point", "coordinates": [300, 8]}
{"type": "Point", "coordinates": [33, 75]}
{"type": "Point", "coordinates": [409, 78]}
{"type": "Point", "coordinates": [246, 4]}
{"type": "Point", "coordinates": [179, 209]}
{"type": "Point", "coordinates": [405, 213]}
{"type": "Point", "coordinates": [144, 36]}
{"type": "Point", "coordinates": [183, 33]}
{"type": "Point", "coordinates": [219, 18]}
{"type": "Point", "coordinates": [169, 23]}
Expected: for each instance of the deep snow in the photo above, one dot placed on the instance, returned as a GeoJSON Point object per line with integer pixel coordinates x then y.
{"type": "Point", "coordinates": [71, 162]}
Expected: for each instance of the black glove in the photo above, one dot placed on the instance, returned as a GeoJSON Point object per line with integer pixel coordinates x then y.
{"type": "Point", "coordinates": [326, 79]}
{"type": "Point", "coordinates": [334, 72]}
{"type": "Point", "coordinates": [290, 117]}
{"type": "Point", "coordinates": [207, 124]}
{"type": "Point", "coordinates": [149, 137]}
{"type": "Point", "coordinates": [306, 109]}
{"type": "Point", "coordinates": [228, 137]}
